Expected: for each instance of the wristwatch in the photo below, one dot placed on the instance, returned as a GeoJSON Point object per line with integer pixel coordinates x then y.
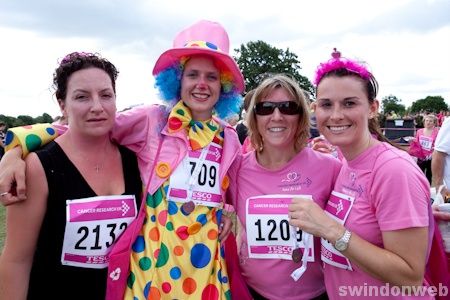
{"type": "Point", "coordinates": [342, 243]}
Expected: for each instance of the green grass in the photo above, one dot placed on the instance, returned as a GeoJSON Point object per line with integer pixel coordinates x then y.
{"type": "Point", "coordinates": [2, 226]}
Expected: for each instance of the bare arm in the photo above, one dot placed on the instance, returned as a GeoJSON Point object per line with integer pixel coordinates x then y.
{"type": "Point", "coordinates": [23, 225]}
{"type": "Point", "coordinates": [395, 263]}
{"type": "Point", "coordinates": [437, 168]}
{"type": "Point", "coordinates": [12, 177]}
{"type": "Point", "coordinates": [441, 215]}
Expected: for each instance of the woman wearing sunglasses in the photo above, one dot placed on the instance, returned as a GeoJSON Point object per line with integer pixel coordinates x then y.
{"type": "Point", "coordinates": [265, 180]}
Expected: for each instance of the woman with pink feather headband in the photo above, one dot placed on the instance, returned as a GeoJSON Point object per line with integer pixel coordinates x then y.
{"type": "Point", "coordinates": [377, 227]}
{"type": "Point", "coordinates": [172, 249]}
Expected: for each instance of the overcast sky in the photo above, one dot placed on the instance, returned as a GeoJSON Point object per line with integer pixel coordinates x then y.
{"type": "Point", "coordinates": [405, 42]}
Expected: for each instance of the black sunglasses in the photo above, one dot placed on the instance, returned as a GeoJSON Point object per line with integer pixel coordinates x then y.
{"type": "Point", "coordinates": [286, 108]}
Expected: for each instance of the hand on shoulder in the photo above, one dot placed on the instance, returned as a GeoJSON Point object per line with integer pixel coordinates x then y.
{"type": "Point", "coordinates": [12, 177]}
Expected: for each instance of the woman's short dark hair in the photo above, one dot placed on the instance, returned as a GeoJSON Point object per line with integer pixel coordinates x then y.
{"type": "Point", "coordinates": [78, 61]}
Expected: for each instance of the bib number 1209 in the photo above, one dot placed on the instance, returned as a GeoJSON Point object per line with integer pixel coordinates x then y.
{"type": "Point", "coordinates": [281, 230]}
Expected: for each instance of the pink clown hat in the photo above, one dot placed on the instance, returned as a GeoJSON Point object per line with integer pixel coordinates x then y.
{"type": "Point", "coordinates": [203, 37]}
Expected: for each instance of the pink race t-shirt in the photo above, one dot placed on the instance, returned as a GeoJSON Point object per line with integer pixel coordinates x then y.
{"type": "Point", "coordinates": [308, 173]}
{"type": "Point", "coordinates": [426, 142]}
{"type": "Point", "coordinates": [391, 193]}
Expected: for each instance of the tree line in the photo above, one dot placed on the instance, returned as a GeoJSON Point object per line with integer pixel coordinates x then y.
{"type": "Point", "coordinates": [23, 120]}
{"type": "Point", "coordinates": [257, 60]}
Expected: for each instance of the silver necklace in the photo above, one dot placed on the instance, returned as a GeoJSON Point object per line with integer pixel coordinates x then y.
{"type": "Point", "coordinates": [97, 168]}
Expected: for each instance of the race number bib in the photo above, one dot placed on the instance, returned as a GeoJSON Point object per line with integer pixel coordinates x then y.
{"type": "Point", "coordinates": [204, 187]}
{"type": "Point", "coordinates": [338, 207]}
{"type": "Point", "coordinates": [425, 142]}
{"type": "Point", "coordinates": [92, 226]}
{"type": "Point", "coordinates": [269, 234]}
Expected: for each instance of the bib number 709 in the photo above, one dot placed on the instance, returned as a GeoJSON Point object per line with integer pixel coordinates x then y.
{"type": "Point", "coordinates": [207, 174]}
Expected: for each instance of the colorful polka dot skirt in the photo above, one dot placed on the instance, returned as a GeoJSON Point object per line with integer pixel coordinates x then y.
{"type": "Point", "coordinates": [177, 254]}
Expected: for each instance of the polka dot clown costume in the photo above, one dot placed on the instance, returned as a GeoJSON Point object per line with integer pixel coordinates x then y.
{"type": "Point", "coordinates": [176, 253]}
{"type": "Point", "coordinates": [171, 250]}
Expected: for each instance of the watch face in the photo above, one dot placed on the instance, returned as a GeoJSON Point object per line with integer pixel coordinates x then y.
{"type": "Point", "coordinates": [340, 245]}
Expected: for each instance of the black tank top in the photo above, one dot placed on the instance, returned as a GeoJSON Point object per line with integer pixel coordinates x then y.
{"type": "Point", "coordinates": [49, 279]}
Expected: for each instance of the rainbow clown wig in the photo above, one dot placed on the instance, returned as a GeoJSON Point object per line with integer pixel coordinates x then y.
{"type": "Point", "coordinates": [168, 83]}
{"type": "Point", "coordinates": [202, 38]}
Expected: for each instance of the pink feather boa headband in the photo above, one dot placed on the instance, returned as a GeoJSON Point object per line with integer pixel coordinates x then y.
{"type": "Point", "coordinates": [336, 63]}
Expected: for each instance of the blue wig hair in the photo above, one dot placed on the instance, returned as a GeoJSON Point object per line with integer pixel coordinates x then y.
{"type": "Point", "coordinates": [168, 83]}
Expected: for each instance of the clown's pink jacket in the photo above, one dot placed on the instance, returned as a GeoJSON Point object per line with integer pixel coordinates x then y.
{"type": "Point", "coordinates": [144, 131]}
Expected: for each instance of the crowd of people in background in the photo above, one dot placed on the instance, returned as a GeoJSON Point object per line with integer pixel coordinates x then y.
{"type": "Point", "coordinates": [315, 186]}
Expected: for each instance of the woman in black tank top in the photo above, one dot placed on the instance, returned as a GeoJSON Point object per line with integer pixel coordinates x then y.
{"type": "Point", "coordinates": [82, 192]}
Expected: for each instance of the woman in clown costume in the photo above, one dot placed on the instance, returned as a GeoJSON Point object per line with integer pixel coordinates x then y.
{"type": "Point", "coordinates": [176, 252]}
{"type": "Point", "coordinates": [172, 250]}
